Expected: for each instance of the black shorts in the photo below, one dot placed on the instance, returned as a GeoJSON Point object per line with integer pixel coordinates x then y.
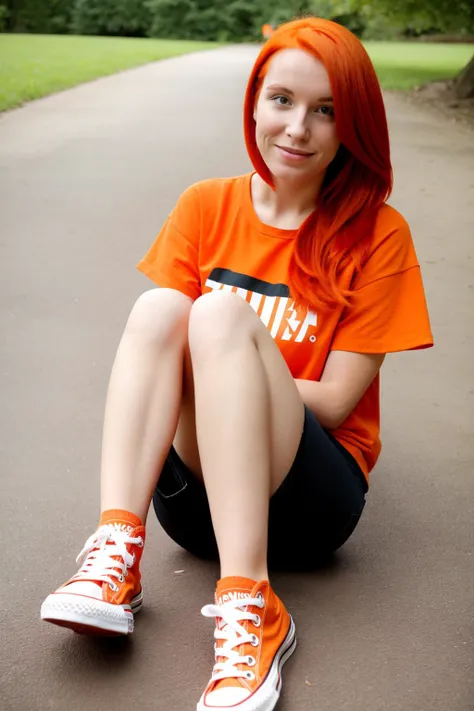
{"type": "Point", "coordinates": [315, 510]}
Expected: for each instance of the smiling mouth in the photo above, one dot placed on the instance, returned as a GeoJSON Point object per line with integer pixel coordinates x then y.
{"type": "Point", "coordinates": [295, 151]}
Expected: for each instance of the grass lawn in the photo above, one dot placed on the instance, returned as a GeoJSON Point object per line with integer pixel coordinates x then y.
{"type": "Point", "coordinates": [32, 66]}
{"type": "Point", "coordinates": [404, 65]}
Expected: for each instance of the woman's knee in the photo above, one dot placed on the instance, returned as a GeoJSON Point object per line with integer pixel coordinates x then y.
{"type": "Point", "coordinates": [219, 320]}
{"type": "Point", "coordinates": [160, 316]}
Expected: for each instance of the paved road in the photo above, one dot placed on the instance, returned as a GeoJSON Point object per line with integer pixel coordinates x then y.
{"type": "Point", "coordinates": [86, 179]}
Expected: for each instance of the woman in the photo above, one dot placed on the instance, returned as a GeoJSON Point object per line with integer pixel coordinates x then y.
{"type": "Point", "coordinates": [244, 398]}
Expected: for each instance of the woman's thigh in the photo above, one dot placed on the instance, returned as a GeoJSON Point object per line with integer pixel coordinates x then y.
{"type": "Point", "coordinates": [230, 316]}
{"type": "Point", "coordinates": [313, 512]}
{"type": "Point", "coordinates": [222, 320]}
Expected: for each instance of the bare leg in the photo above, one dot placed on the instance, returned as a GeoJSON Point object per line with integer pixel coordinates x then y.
{"type": "Point", "coordinates": [249, 424]}
{"type": "Point", "coordinates": [143, 401]}
{"type": "Point", "coordinates": [142, 411]}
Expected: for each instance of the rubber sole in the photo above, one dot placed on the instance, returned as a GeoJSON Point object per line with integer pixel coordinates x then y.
{"type": "Point", "coordinates": [86, 615]}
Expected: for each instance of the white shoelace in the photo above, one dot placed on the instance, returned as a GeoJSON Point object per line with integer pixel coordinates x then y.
{"type": "Point", "coordinates": [234, 635]}
{"type": "Point", "coordinates": [96, 558]}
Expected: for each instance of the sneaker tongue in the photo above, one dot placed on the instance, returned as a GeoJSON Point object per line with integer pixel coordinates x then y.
{"type": "Point", "coordinates": [121, 520]}
{"type": "Point", "coordinates": [234, 588]}
{"type": "Point", "coordinates": [230, 589]}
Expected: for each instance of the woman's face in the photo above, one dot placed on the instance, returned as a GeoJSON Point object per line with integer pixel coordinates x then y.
{"type": "Point", "coordinates": [294, 115]}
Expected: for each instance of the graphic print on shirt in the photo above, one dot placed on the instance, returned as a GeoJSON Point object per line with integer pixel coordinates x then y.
{"type": "Point", "coordinates": [272, 302]}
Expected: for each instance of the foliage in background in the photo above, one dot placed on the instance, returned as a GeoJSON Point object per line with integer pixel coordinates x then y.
{"type": "Point", "coordinates": [38, 16]}
{"type": "Point", "coordinates": [417, 17]}
{"type": "Point", "coordinates": [424, 17]}
{"type": "Point", "coordinates": [239, 20]}
{"type": "Point", "coordinates": [3, 17]}
{"type": "Point", "coordinates": [219, 20]}
{"type": "Point", "coordinates": [111, 17]}
{"type": "Point", "coordinates": [232, 20]}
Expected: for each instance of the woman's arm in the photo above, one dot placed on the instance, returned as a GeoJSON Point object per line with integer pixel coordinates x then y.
{"type": "Point", "coordinates": [346, 377]}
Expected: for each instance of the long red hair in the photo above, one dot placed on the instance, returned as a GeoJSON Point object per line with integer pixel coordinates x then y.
{"type": "Point", "coordinates": [359, 179]}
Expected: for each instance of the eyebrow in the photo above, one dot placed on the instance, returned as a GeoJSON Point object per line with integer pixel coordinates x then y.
{"type": "Point", "coordinates": [278, 87]}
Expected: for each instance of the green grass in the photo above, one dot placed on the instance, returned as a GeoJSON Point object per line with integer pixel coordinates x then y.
{"type": "Point", "coordinates": [404, 65]}
{"type": "Point", "coordinates": [32, 66]}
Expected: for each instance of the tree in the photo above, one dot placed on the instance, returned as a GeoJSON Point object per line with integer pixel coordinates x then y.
{"type": "Point", "coordinates": [3, 17]}
{"type": "Point", "coordinates": [129, 18]}
{"type": "Point", "coordinates": [243, 16]}
{"type": "Point", "coordinates": [434, 15]}
{"type": "Point", "coordinates": [168, 18]}
{"type": "Point", "coordinates": [40, 16]}
{"type": "Point", "coordinates": [464, 82]}
{"type": "Point", "coordinates": [218, 20]}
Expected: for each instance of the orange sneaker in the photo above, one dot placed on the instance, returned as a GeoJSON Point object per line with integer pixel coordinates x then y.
{"type": "Point", "coordinates": [255, 637]}
{"type": "Point", "coordinates": [106, 592]}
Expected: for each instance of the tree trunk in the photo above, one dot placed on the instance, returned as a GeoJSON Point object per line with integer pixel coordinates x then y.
{"type": "Point", "coordinates": [464, 83]}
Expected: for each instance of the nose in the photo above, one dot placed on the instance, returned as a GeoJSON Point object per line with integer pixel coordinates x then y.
{"type": "Point", "coordinates": [297, 127]}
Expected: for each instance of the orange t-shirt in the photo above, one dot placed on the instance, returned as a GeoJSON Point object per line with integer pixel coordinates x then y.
{"type": "Point", "coordinates": [214, 240]}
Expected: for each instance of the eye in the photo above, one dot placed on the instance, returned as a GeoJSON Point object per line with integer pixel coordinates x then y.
{"type": "Point", "coordinates": [325, 111]}
{"type": "Point", "coordinates": [280, 100]}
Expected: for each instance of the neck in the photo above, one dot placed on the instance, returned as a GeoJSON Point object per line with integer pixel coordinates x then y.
{"type": "Point", "coordinates": [288, 203]}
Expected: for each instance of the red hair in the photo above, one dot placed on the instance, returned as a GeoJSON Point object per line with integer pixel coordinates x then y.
{"type": "Point", "coordinates": [359, 179]}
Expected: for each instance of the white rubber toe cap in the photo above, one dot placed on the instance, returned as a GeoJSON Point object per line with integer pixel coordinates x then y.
{"type": "Point", "coordinates": [229, 696]}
